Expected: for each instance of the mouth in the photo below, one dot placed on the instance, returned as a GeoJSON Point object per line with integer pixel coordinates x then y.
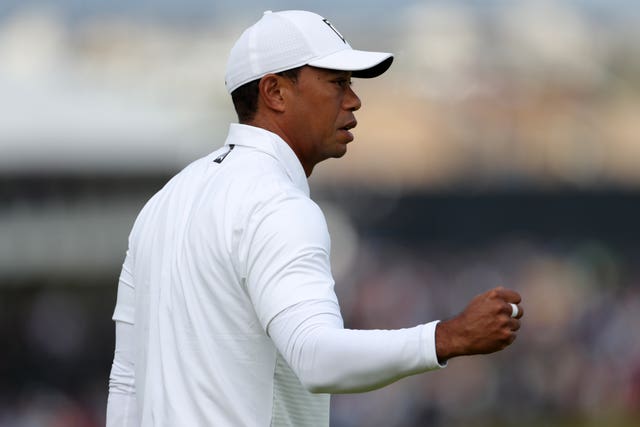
{"type": "Point", "coordinates": [347, 128]}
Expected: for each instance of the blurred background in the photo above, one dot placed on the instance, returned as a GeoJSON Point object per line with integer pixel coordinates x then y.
{"type": "Point", "coordinates": [503, 148]}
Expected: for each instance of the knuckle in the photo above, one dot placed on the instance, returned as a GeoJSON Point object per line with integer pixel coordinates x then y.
{"type": "Point", "coordinates": [505, 335]}
{"type": "Point", "coordinates": [506, 321]}
{"type": "Point", "coordinates": [493, 293]}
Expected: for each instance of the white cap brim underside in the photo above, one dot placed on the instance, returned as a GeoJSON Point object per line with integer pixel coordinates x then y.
{"type": "Point", "coordinates": [352, 60]}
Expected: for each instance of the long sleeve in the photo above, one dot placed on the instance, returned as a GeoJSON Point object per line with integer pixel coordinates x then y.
{"type": "Point", "coordinates": [122, 408]}
{"type": "Point", "coordinates": [289, 281]}
{"type": "Point", "coordinates": [330, 359]}
{"type": "Point", "coordinates": [122, 405]}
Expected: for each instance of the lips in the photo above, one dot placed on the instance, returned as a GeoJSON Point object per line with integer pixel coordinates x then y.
{"type": "Point", "coordinates": [349, 125]}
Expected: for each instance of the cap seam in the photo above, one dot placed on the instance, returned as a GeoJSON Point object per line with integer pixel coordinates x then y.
{"type": "Point", "coordinates": [253, 56]}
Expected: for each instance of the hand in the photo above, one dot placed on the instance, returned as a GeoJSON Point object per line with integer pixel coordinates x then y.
{"type": "Point", "coordinates": [485, 326]}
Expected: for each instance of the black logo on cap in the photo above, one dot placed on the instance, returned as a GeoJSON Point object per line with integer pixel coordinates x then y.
{"type": "Point", "coordinates": [334, 30]}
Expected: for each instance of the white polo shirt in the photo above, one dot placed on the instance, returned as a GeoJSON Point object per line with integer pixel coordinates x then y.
{"type": "Point", "coordinates": [226, 313]}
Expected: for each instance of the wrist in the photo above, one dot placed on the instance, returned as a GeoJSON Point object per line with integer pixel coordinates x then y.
{"type": "Point", "coordinates": [445, 343]}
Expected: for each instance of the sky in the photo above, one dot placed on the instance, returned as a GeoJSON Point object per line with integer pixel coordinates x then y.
{"type": "Point", "coordinates": [204, 11]}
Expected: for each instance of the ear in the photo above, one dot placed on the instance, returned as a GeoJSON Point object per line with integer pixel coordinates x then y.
{"type": "Point", "coordinates": [272, 88]}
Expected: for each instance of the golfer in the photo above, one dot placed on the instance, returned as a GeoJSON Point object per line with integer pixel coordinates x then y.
{"type": "Point", "coordinates": [226, 312]}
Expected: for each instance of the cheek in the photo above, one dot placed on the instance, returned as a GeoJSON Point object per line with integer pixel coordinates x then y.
{"type": "Point", "coordinates": [321, 112]}
{"type": "Point", "coordinates": [331, 111]}
{"type": "Point", "coordinates": [323, 119]}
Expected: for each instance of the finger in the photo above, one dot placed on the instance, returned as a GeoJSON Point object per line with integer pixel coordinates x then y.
{"type": "Point", "coordinates": [507, 295]}
{"type": "Point", "coordinates": [520, 312]}
{"type": "Point", "coordinates": [514, 310]}
{"type": "Point", "coordinates": [509, 339]}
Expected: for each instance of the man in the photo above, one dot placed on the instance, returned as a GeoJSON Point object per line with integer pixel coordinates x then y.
{"type": "Point", "coordinates": [226, 313]}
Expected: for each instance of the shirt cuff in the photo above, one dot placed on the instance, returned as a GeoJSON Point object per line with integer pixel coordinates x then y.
{"type": "Point", "coordinates": [429, 344]}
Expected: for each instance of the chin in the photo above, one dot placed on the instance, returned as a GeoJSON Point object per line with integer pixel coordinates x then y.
{"type": "Point", "coordinates": [339, 154]}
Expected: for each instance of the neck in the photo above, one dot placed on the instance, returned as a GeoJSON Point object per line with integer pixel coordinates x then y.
{"type": "Point", "coordinates": [274, 127]}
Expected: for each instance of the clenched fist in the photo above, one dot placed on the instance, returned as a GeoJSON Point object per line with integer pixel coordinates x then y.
{"type": "Point", "coordinates": [485, 326]}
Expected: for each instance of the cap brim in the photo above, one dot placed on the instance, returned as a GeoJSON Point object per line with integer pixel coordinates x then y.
{"type": "Point", "coordinates": [362, 64]}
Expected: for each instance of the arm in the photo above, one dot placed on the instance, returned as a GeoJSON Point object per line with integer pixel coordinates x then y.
{"type": "Point", "coordinates": [330, 359]}
{"type": "Point", "coordinates": [122, 404]}
{"type": "Point", "coordinates": [289, 282]}
{"type": "Point", "coordinates": [288, 278]}
{"type": "Point", "coordinates": [122, 408]}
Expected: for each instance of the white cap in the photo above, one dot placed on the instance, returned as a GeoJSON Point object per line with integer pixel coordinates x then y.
{"type": "Point", "coordinates": [284, 40]}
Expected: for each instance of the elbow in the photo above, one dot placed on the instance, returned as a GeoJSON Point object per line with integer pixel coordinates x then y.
{"type": "Point", "coordinates": [117, 386]}
{"type": "Point", "coordinates": [318, 378]}
{"type": "Point", "coordinates": [316, 384]}
{"type": "Point", "coordinates": [122, 379]}
{"type": "Point", "coordinates": [321, 390]}
{"type": "Point", "coordinates": [333, 385]}
{"type": "Point", "coordinates": [331, 380]}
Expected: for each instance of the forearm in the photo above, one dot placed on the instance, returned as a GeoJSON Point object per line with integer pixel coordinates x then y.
{"type": "Point", "coordinates": [330, 359]}
{"type": "Point", "coordinates": [122, 404]}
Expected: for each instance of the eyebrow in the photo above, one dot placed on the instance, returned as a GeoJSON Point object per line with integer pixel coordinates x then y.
{"type": "Point", "coordinates": [339, 73]}
{"type": "Point", "coordinates": [333, 73]}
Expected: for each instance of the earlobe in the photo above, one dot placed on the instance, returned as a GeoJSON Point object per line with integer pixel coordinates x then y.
{"type": "Point", "coordinates": [271, 92]}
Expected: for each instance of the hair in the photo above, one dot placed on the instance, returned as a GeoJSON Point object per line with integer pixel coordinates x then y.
{"type": "Point", "coordinates": [245, 97]}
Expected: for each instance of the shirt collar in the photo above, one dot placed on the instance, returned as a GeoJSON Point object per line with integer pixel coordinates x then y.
{"type": "Point", "coordinates": [273, 145]}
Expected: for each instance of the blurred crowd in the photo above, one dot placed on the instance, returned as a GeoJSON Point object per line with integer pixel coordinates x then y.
{"type": "Point", "coordinates": [577, 356]}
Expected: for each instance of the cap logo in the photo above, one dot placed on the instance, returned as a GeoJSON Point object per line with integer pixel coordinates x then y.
{"type": "Point", "coordinates": [334, 30]}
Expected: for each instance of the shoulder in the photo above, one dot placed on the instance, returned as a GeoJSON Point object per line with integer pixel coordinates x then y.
{"type": "Point", "coordinates": [292, 219]}
{"type": "Point", "coordinates": [261, 178]}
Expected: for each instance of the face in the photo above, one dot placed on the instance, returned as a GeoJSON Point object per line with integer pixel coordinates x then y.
{"type": "Point", "coordinates": [320, 111]}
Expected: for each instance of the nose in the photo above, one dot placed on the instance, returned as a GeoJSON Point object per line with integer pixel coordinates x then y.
{"type": "Point", "coordinates": [351, 100]}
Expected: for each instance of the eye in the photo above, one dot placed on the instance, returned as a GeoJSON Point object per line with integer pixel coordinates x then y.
{"type": "Point", "coordinates": [343, 83]}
